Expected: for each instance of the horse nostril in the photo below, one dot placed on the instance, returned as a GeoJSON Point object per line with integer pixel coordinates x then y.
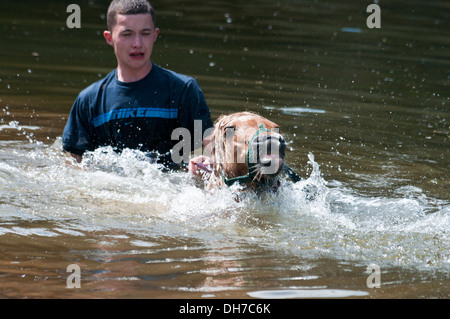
{"type": "Point", "coordinates": [270, 144]}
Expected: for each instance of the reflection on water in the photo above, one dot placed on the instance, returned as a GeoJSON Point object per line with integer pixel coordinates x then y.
{"type": "Point", "coordinates": [365, 114]}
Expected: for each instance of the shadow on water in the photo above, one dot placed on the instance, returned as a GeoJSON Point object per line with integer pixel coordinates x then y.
{"type": "Point", "coordinates": [365, 113]}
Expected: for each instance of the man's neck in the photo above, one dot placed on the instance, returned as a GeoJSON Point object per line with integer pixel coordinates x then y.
{"type": "Point", "coordinates": [131, 75]}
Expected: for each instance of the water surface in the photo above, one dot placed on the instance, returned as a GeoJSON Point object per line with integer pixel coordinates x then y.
{"type": "Point", "coordinates": [365, 112]}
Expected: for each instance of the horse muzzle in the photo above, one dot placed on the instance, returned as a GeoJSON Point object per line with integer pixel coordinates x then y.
{"type": "Point", "coordinates": [268, 152]}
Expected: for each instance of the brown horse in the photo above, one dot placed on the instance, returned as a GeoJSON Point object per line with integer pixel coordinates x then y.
{"type": "Point", "coordinates": [244, 148]}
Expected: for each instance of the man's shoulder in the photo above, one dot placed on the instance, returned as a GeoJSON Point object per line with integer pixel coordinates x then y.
{"type": "Point", "coordinates": [93, 89]}
{"type": "Point", "coordinates": [173, 76]}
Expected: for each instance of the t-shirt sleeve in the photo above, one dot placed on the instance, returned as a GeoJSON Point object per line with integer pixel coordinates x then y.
{"type": "Point", "coordinates": [195, 109]}
{"type": "Point", "coordinates": [78, 135]}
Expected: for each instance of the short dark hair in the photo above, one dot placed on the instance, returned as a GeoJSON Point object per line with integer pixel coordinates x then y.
{"type": "Point", "coordinates": [128, 7]}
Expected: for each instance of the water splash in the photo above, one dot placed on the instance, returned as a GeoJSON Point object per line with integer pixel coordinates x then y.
{"type": "Point", "coordinates": [310, 219]}
{"type": "Point", "coordinates": [22, 129]}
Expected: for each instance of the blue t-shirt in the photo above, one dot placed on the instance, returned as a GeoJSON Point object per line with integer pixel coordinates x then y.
{"type": "Point", "coordinates": [137, 115]}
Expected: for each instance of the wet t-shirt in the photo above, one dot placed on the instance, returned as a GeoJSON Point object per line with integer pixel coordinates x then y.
{"type": "Point", "coordinates": [137, 115]}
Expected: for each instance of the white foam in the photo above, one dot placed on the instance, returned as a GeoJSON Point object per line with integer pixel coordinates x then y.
{"type": "Point", "coordinates": [308, 219]}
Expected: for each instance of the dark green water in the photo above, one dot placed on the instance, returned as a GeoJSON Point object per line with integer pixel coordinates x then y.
{"type": "Point", "coordinates": [371, 105]}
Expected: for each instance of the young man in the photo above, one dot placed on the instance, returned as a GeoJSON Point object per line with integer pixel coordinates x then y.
{"type": "Point", "coordinates": [139, 104]}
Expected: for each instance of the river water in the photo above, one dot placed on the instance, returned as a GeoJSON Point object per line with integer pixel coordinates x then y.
{"type": "Point", "coordinates": [365, 113]}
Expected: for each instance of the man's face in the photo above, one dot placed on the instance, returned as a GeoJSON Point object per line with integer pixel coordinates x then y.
{"type": "Point", "coordinates": [132, 38]}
